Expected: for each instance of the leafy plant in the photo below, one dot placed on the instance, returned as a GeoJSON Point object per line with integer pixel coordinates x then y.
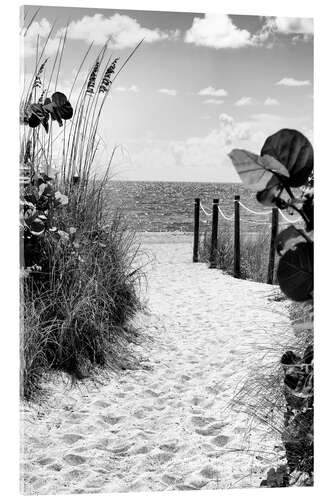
{"type": "Point", "coordinates": [285, 163]}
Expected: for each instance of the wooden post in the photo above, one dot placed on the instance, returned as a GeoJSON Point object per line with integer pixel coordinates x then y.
{"type": "Point", "coordinates": [215, 223]}
{"type": "Point", "coordinates": [237, 238]}
{"type": "Point", "coordinates": [196, 229]}
{"type": "Point", "coordinates": [274, 231]}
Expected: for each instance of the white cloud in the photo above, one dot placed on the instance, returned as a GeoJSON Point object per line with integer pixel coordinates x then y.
{"type": "Point", "coordinates": [120, 31]}
{"type": "Point", "coordinates": [197, 158]}
{"type": "Point", "coordinates": [301, 27]}
{"type": "Point", "coordinates": [271, 102]}
{"type": "Point", "coordinates": [245, 101]}
{"type": "Point", "coordinates": [213, 101]}
{"type": "Point", "coordinates": [217, 31]}
{"type": "Point", "coordinates": [171, 92]}
{"type": "Point", "coordinates": [211, 91]}
{"type": "Point", "coordinates": [204, 158]}
{"type": "Point", "coordinates": [39, 31]}
{"type": "Point", "coordinates": [294, 25]}
{"type": "Point", "coordinates": [292, 82]}
{"type": "Point", "coordinates": [132, 88]}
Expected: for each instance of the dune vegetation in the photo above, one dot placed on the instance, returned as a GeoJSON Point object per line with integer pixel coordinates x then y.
{"type": "Point", "coordinates": [79, 285]}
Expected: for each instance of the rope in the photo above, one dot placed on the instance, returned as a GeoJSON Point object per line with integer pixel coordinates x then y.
{"type": "Point", "coordinates": [225, 216]}
{"type": "Point", "coordinates": [267, 212]}
{"type": "Point", "coordinates": [289, 220]}
{"type": "Point", "coordinates": [204, 211]}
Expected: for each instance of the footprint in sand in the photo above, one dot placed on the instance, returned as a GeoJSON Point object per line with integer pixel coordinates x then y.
{"type": "Point", "coordinates": [71, 438]}
{"type": "Point", "coordinates": [121, 450]}
{"type": "Point", "coordinates": [170, 447]}
{"type": "Point", "coordinates": [45, 461]}
{"type": "Point", "coordinates": [73, 459]}
{"type": "Point", "coordinates": [202, 421]}
{"type": "Point", "coordinates": [162, 458]}
{"type": "Point", "coordinates": [55, 467]}
{"type": "Point", "coordinates": [221, 440]}
{"type": "Point", "coordinates": [101, 404]}
{"type": "Point", "coordinates": [142, 450]}
{"type": "Point", "coordinates": [169, 479]}
{"type": "Point", "coordinates": [111, 420]}
{"type": "Point", "coordinates": [211, 430]}
{"type": "Point", "coordinates": [210, 472]}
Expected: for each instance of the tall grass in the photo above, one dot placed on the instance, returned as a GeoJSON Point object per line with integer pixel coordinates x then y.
{"type": "Point", "coordinates": [77, 306]}
{"type": "Point", "coordinates": [254, 251]}
{"type": "Point", "coordinates": [264, 397]}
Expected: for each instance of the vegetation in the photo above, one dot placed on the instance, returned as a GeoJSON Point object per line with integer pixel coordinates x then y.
{"type": "Point", "coordinates": [254, 252]}
{"type": "Point", "coordinates": [284, 398]}
{"type": "Point", "coordinates": [79, 286]}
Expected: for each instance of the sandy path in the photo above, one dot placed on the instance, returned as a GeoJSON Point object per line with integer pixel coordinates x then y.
{"type": "Point", "coordinates": [166, 427]}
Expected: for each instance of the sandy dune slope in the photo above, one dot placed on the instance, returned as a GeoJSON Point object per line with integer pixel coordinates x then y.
{"type": "Point", "coordinates": [167, 424]}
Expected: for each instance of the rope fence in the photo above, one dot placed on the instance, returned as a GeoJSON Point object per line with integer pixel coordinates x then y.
{"type": "Point", "coordinates": [236, 219]}
{"type": "Point", "coordinates": [265, 213]}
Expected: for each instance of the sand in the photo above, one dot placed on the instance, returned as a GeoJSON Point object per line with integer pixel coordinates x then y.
{"type": "Point", "coordinates": [167, 424]}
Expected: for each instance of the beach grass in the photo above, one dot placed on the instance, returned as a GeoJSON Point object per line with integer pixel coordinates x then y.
{"type": "Point", "coordinates": [79, 286]}
{"type": "Point", "coordinates": [254, 251]}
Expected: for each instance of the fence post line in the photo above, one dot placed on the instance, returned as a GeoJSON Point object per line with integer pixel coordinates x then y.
{"type": "Point", "coordinates": [274, 231]}
{"type": "Point", "coordinates": [196, 229]}
{"type": "Point", "coordinates": [215, 223]}
{"type": "Point", "coordinates": [236, 238]}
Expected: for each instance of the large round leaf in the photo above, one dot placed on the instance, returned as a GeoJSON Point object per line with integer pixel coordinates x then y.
{"type": "Point", "coordinates": [59, 108]}
{"type": "Point", "coordinates": [256, 171]}
{"type": "Point", "coordinates": [295, 272]}
{"type": "Point", "coordinates": [288, 239]}
{"type": "Point", "coordinates": [294, 151]}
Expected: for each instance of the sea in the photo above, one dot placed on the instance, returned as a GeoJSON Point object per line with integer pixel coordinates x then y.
{"type": "Point", "coordinates": [169, 206]}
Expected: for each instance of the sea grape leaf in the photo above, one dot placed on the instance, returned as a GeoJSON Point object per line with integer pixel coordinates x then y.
{"type": "Point", "coordinates": [37, 227]}
{"type": "Point", "coordinates": [271, 192]}
{"type": "Point", "coordinates": [59, 108]}
{"type": "Point", "coordinates": [254, 171]}
{"type": "Point", "coordinates": [287, 239]}
{"type": "Point", "coordinates": [274, 165]}
{"type": "Point", "coordinates": [37, 116]}
{"type": "Point", "coordinates": [294, 151]}
{"type": "Point", "coordinates": [61, 199]}
{"type": "Point", "coordinates": [295, 272]}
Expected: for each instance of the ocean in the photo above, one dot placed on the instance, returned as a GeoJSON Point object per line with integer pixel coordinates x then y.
{"type": "Point", "coordinates": [169, 206]}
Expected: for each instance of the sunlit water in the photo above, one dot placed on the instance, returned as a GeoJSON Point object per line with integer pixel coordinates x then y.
{"type": "Point", "coordinates": [169, 206]}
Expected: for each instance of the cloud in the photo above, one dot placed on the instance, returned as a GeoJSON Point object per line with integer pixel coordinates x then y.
{"type": "Point", "coordinates": [297, 25]}
{"type": "Point", "coordinates": [40, 31]}
{"type": "Point", "coordinates": [292, 82]}
{"type": "Point", "coordinates": [200, 158]}
{"type": "Point", "coordinates": [245, 101]}
{"type": "Point", "coordinates": [171, 92]}
{"type": "Point", "coordinates": [211, 91]}
{"type": "Point", "coordinates": [213, 101]}
{"type": "Point", "coordinates": [217, 31]}
{"type": "Point", "coordinates": [271, 102]}
{"type": "Point", "coordinates": [132, 88]}
{"type": "Point", "coordinates": [204, 158]}
{"type": "Point", "coordinates": [119, 30]}
{"type": "Point", "coordinates": [301, 27]}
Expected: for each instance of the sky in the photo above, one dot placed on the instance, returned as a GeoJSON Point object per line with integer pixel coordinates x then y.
{"type": "Point", "coordinates": [198, 86]}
